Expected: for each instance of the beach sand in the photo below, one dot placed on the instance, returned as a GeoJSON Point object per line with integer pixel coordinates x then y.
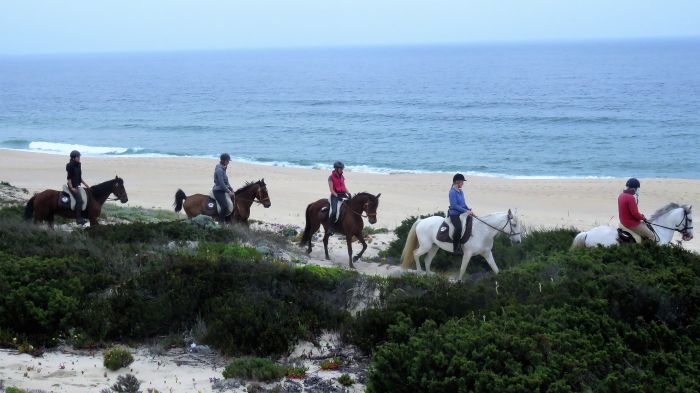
{"type": "Point", "coordinates": [540, 203]}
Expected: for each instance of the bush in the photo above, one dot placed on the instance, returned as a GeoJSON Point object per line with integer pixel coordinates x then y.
{"type": "Point", "coordinates": [117, 357]}
{"type": "Point", "coordinates": [330, 364]}
{"type": "Point", "coordinates": [13, 389]}
{"type": "Point", "coordinates": [126, 384]}
{"type": "Point", "coordinates": [253, 368]}
{"type": "Point", "coordinates": [345, 380]}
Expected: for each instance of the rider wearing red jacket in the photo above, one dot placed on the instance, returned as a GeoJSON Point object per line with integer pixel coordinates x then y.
{"type": "Point", "coordinates": [628, 212]}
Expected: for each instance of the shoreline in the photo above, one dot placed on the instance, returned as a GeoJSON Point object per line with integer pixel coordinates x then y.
{"type": "Point", "coordinates": [151, 182]}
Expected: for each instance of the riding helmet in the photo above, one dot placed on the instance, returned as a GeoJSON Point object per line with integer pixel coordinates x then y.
{"type": "Point", "coordinates": [458, 177]}
{"type": "Point", "coordinates": [338, 164]}
{"type": "Point", "coordinates": [74, 154]}
{"type": "Point", "coordinates": [225, 157]}
{"type": "Point", "coordinates": [632, 183]}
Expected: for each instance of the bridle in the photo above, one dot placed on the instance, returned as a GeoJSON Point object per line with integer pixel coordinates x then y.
{"type": "Point", "coordinates": [257, 199]}
{"type": "Point", "coordinates": [509, 223]}
{"type": "Point", "coordinates": [116, 197]}
{"type": "Point", "coordinates": [686, 226]}
{"type": "Point", "coordinates": [364, 209]}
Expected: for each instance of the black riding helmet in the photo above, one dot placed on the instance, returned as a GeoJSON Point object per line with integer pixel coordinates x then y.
{"type": "Point", "coordinates": [74, 154]}
{"type": "Point", "coordinates": [458, 177]}
{"type": "Point", "coordinates": [225, 157]}
{"type": "Point", "coordinates": [338, 164]}
{"type": "Point", "coordinates": [632, 183]}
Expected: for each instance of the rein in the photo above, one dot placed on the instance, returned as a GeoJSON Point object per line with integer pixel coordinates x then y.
{"type": "Point", "coordinates": [683, 231]}
{"type": "Point", "coordinates": [502, 228]}
{"type": "Point", "coordinates": [362, 210]}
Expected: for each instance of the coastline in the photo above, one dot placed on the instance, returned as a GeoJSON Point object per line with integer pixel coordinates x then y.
{"type": "Point", "coordinates": [151, 182]}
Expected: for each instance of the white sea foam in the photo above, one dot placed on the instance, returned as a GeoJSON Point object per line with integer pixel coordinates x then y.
{"type": "Point", "coordinates": [66, 148]}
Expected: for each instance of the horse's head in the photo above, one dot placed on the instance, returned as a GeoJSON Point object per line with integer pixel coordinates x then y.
{"type": "Point", "coordinates": [513, 225]}
{"type": "Point", "coordinates": [118, 189]}
{"type": "Point", "coordinates": [686, 227]}
{"type": "Point", "coordinates": [262, 195]}
{"type": "Point", "coordinates": [370, 203]}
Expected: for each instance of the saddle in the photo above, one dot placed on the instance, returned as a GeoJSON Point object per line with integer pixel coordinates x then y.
{"type": "Point", "coordinates": [66, 199]}
{"type": "Point", "coordinates": [212, 207]}
{"type": "Point", "coordinates": [447, 230]}
{"type": "Point", "coordinates": [626, 235]}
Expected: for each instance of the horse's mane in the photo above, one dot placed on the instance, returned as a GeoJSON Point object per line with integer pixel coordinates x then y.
{"type": "Point", "coordinates": [363, 193]}
{"type": "Point", "coordinates": [104, 187]}
{"type": "Point", "coordinates": [248, 185]}
{"type": "Point", "coordinates": [667, 209]}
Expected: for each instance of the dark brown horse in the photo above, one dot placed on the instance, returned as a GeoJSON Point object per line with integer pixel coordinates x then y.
{"type": "Point", "coordinates": [349, 224]}
{"type": "Point", "coordinates": [245, 196]}
{"type": "Point", "coordinates": [44, 206]}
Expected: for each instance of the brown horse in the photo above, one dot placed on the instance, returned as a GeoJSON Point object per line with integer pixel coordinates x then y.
{"type": "Point", "coordinates": [44, 206]}
{"type": "Point", "coordinates": [349, 224]}
{"type": "Point", "coordinates": [245, 196]}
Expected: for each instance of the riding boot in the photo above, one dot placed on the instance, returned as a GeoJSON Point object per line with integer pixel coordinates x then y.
{"type": "Point", "coordinates": [78, 216]}
{"type": "Point", "coordinates": [457, 249]}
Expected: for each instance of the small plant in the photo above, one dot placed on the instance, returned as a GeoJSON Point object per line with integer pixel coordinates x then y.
{"type": "Point", "coordinates": [13, 389]}
{"type": "Point", "coordinates": [296, 372]}
{"type": "Point", "coordinates": [259, 369]}
{"type": "Point", "coordinates": [373, 231]}
{"type": "Point", "coordinates": [345, 380]}
{"type": "Point", "coordinates": [117, 357]}
{"type": "Point", "coordinates": [331, 364]}
{"type": "Point", "coordinates": [126, 384]}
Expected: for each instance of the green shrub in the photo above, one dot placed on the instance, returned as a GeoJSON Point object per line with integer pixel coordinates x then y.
{"type": "Point", "coordinates": [13, 389]}
{"type": "Point", "coordinates": [254, 368]}
{"type": "Point", "coordinates": [117, 357]}
{"type": "Point", "coordinates": [296, 371]}
{"type": "Point", "coordinates": [345, 380]}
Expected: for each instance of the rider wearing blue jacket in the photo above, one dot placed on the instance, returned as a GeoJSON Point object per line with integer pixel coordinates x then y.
{"type": "Point", "coordinates": [457, 206]}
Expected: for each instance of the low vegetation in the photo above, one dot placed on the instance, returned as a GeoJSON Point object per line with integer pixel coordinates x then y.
{"type": "Point", "coordinates": [117, 357]}
{"type": "Point", "coordinates": [621, 319]}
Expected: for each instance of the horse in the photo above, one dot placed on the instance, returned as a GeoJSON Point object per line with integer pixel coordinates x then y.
{"type": "Point", "coordinates": [251, 192]}
{"type": "Point", "coordinates": [665, 221]}
{"type": "Point", "coordinates": [484, 229]}
{"type": "Point", "coordinates": [44, 205]}
{"type": "Point", "coordinates": [349, 223]}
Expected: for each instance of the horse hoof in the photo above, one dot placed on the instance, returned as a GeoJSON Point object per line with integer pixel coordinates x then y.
{"type": "Point", "coordinates": [356, 258]}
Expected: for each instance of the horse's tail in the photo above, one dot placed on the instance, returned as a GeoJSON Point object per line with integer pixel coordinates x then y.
{"type": "Point", "coordinates": [29, 208]}
{"type": "Point", "coordinates": [307, 230]}
{"type": "Point", "coordinates": [579, 240]}
{"type": "Point", "coordinates": [180, 197]}
{"type": "Point", "coordinates": [407, 253]}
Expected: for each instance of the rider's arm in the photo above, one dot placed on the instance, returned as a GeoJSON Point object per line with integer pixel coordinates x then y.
{"type": "Point", "coordinates": [455, 203]}
{"type": "Point", "coordinates": [634, 210]}
{"type": "Point", "coordinates": [330, 186]}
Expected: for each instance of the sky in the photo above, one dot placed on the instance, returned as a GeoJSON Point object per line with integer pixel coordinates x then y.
{"type": "Point", "coordinates": [86, 26]}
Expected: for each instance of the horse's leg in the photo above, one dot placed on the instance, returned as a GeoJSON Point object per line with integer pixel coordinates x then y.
{"type": "Point", "coordinates": [364, 247]}
{"type": "Point", "coordinates": [465, 262]}
{"type": "Point", "coordinates": [429, 258]}
{"type": "Point", "coordinates": [348, 239]}
{"type": "Point", "coordinates": [326, 235]}
{"type": "Point", "coordinates": [489, 258]}
{"type": "Point", "coordinates": [418, 252]}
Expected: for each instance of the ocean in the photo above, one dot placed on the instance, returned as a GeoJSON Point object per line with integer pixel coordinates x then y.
{"type": "Point", "coordinates": [546, 110]}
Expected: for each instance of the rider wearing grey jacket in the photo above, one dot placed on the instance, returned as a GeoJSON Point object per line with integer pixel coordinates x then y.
{"type": "Point", "coordinates": [222, 187]}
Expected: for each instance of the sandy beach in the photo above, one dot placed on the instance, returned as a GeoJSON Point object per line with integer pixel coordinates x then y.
{"type": "Point", "coordinates": [540, 203]}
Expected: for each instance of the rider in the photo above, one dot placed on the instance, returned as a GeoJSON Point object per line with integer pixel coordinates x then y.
{"type": "Point", "coordinates": [457, 206]}
{"type": "Point", "coordinates": [222, 187]}
{"type": "Point", "coordinates": [336, 183]}
{"type": "Point", "coordinates": [75, 178]}
{"type": "Point", "coordinates": [628, 212]}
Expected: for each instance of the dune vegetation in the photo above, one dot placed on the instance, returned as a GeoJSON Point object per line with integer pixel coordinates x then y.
{"type": "Point", "coordinates": [622, 319]}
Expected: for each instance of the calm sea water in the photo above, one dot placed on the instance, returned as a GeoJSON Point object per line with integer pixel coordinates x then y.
{"type": "Point", "coordinates": [540, 110]}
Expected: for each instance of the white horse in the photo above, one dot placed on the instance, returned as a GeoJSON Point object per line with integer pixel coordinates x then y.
{"type": "Point", "coordinates": [665, 221]}
{"type": "Point", "coordinates": [484, 229]}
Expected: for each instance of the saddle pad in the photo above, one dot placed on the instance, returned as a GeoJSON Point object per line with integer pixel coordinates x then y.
{"type": "Point", "coordinates": [447, 230]}
{"type": "Point", "coordinates": [337, 211]}
{"type": "Point", "coordinates": [229, 202]}
{"type": "Point", "coordinates": [66, 191]}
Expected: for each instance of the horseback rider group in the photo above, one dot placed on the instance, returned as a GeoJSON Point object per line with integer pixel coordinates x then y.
{"type": "Point", "coordinates": [627, 201]}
